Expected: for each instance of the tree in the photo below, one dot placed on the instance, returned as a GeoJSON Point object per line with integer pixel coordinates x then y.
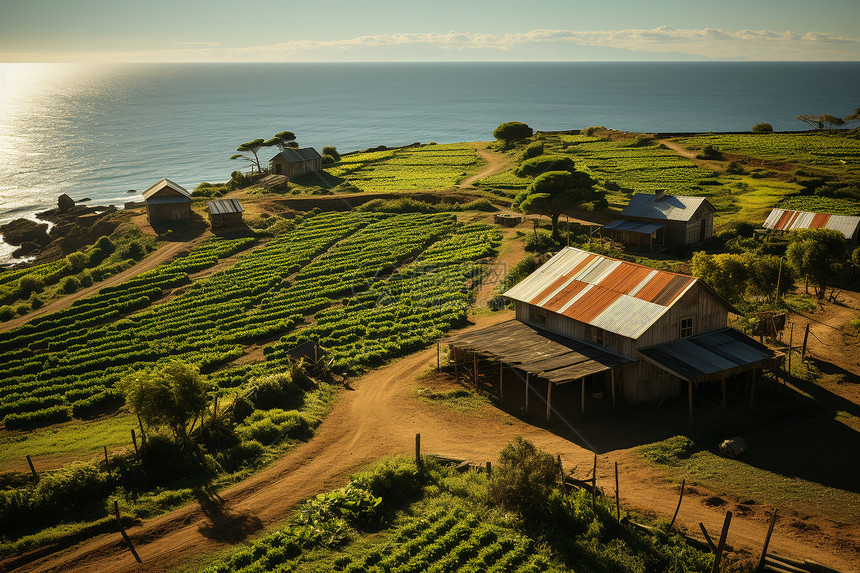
{"type": "Point", "coordinates": [726, 273]}
{"type": "Point", "coordinates": [249, 152]}
{"type": "Point", "coordinates": [512, 131]}
{"type": "Point", "coordinates": [524, 478]}
{"type": "Point", "coordinates": [817, 255]}
{"type": "Point", "coordinates": [766, 274]}
{"type": "Point", "coordinates": [854, 116]}
{"type": "Point", "coordinates": [543, 163]}
{"type": "Point", "coordinates": [762, 128]}
{"type": "Point", "coordinates": [554, 192]}
{"type": "Point", "coordinates": [818, 121]}
{"type": "Point", "coordinates": [172, 395]}
{"type": "Point", "coordinates": [283, 140]}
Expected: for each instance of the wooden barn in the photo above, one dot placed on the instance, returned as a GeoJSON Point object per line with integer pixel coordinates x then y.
{"type": "Point", "coordinates": [634, 332]}
{"type": "Point", "coordinates": [783, 220]}
{"type": "Point", "coordinates": [225, 213]}
{"type": "Point", "coordinates": [663, 220]}
{"type": "Point", "coordinates": [167, 202]}
{"type": "Point", "coordinates": [295, 162]}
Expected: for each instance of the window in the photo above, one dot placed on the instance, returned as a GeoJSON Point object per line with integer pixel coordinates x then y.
{"type": "Point", "coordinates": [686, 326]}
{"type": "Point", "coordinates": [537, 316]}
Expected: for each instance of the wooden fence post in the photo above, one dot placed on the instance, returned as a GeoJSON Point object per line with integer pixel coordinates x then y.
{"type": "Point", "coordinates": [805, 338]}
{"type": "Point", "coordinates": [134, 441]}
{"type": "Point", "coordinates": [678, 508]}
{"type": "Point", "coordinates": [722, 543]}
{"type": "Point", "coordinates": [418, 450]}
{"type": "Point", "coordinates": [790, 340]}
{"type": "Point", "coordinates": [594, 483]}
{"type": "Point", "coordinates": [32, 469]}
{"type": "Point", "coordinates": [122, 531]}
{"type": "Point", "coordinates": [766, 541]}
{"type": "Point", "coordinates": [617, 503]}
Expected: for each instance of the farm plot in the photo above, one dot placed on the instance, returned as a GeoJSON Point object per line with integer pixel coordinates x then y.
{"type": "Point", "coordinates": [74, 359]}
{"type": "Point", "coordinates": [417, 304]}
{"type": "Point", "coordinates": [834, 151]}
{"type": "Point", "coordinates": [407, 169]}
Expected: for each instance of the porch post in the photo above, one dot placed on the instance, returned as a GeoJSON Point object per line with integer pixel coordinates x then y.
{"type": "Point", "coordinates": [582, 405]}
{"type": "Point", "coordinates": [548, 399]}
{"type": "Point", "coordinates": [612, 374]}
{"type": "Point", "coordinates": [690, 399]}
{"type": "Point", "coordinates": [527, 392]}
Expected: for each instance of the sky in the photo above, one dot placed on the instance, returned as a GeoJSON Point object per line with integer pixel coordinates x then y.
{"type": "Point", "coordinates": [434, 30]}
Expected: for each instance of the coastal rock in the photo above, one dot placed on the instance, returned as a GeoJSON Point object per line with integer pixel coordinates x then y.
{"type": "Point", "coordinates": [64, 202]}
{"type": "Point", "coordinates": [20, 231]}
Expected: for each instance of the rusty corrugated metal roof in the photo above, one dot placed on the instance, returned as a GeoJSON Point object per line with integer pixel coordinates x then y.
{"type": "Point", "coordinates": [617, 296]}
{"type": "Point", "coordinates": [786, 220]}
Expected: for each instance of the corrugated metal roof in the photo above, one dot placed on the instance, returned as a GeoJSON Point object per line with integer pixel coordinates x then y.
{"type": "Point", "coordinates": [785, 220]}
{"type": "Point", "coordinates": [224, 206]}
{"type": "Point", "coordinates": [165, 183]}
{"type": "Point", "coordinates": [617, 296]}
{"type": "Point", "coordinates": [298, 155]}
{"type": "Point", "coordinates": [634, 226]}
{"type": "Point", "coordinates": [665, 207]}
{"type": "Point", "coordinates": [697, 357]}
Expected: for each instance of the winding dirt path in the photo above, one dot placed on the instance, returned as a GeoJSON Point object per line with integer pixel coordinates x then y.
{"type": "Point", "coordinates": [691, 155]}
{"type": "Point", "coordinates": [496, 163]}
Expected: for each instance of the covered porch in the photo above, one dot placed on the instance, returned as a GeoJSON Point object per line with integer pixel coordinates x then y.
{"type": "Point", "coordinates": [637, 233]}
{"type": "Point", "coordinates": [713, 357]}
{"type": "Point", "coordinates": [539, 357]}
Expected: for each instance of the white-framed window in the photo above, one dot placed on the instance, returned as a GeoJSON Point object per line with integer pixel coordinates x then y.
{"type": "Point", "coordinates": [686, 329]}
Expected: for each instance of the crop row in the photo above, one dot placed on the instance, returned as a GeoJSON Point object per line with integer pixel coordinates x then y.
{"type": "Point", "coordinates": [404, 312]}
{"type": "Point", "coordinates": [806, 148]}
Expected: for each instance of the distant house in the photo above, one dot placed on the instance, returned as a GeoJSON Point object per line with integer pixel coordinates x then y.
{"type": "Point", "coordinates": [225, 213]}
{"type": "Point", "coordinates": [617, 327]}
{"type": "Point", "coordinates": [295, 162]}
{"type": "Point", "coordinates": [782, 220]}
{"type": "Point", "coordinates": [166, 202]}
{"type": "Point", "coordinates": [664, 219]}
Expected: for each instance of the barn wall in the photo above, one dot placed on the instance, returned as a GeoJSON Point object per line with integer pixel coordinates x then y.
{"type": "Point", "coordinates": [643, 382]}
{"type": "Point", "coordinates": [168, 213]}
{"type": "Point", "coordinates": [294, 169]}
{"type": "Point", "coordinates": [708, 312]}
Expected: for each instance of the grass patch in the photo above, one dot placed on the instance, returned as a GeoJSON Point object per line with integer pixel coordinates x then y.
{"type": "Point", "coordinates": [460, 399]}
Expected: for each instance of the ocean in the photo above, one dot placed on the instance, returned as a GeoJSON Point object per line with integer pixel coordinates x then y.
{"type": "Point", "coordinates": [100, 131]}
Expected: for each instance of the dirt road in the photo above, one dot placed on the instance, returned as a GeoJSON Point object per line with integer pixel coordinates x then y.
{"type": "Point", "coordinates": [165, 253]}
{"type": "Point", "coordinates": [496, 163]}
{"type": "Point", "coordinates": [691, 155]}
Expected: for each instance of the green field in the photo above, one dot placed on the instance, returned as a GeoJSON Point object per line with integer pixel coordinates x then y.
{"type": "Point", "coordinates": [407, 169]}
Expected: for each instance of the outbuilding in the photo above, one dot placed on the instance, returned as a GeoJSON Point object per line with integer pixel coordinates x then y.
{"type": "Point", "coordinates": [167, 202]}
{"type": "Point", "coordinates": [295, 162]}
{"type": "Point", "coordinates": [225, 213]}
{"type": "Point", "coordinates": [637, 333]}
{"type": "Point", "coordinates": [784, 220]}
{"type": "Point", "coordinates": [662, 219]}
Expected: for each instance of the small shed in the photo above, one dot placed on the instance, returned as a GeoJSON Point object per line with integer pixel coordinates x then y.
{"type": "Point", "coordinates": [783, 220]}
{"type": "Point", "coordinates": [167, 202]}
{"type": "Point", "coordinates": [295, 162]}
{"type": "Point", "coordinates": [225, 213]}
{"type": "Point", "coordinates": [665, 219]}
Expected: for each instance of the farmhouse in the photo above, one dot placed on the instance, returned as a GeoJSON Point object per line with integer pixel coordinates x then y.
{"type": "Point", "coordinates": [295, 162]}
{"type": "Point", "coordinates": [782, 220]}
{"type": "Point", "coordinates": [166, 202]}
{"type": "Point", "coordinates": [620, 328]}
{"type": "Point", "coordinates": [225, 213]}
{"type": "Point", "coordinates": [663, 219]}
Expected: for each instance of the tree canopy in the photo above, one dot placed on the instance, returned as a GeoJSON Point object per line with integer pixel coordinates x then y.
{"type": "Point", "coordinates": [554, 192]}
{"type": "Point", "coordinates": [818, 121]}
{"type": "Point", "coordinates": [249, 151]}
{"type": "Point", "coordinates": [173, 395]}
{"type": "Point", "coordinates": [536, 165]}
{"type": "Point", "coordinates": [512, 131]}
{"type": "Point", "coordinates": [732, 275]}
{"type": "Point", "coordinates": [817, 255]}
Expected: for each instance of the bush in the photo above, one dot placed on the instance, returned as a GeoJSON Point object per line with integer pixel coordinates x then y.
{"type": "Point", "coordinates": [274, 391]}
{"type": "Point", "coordinates": [762, 128]}
{"type": "Point", "coordinates": [6, 312]}
{"type": "Point", "coordinates": [524, 480]}
{"type": "Point", "coordinates": [69, 285]}
{"type": "Point", "coordinates": [512, 131]}
{"type": "Point", "coordinates": [328, 159]}
{"type": "Point", "coordinates": [532, 150]}
{"type": "Point", "coordinates": [133, 250]}
{"type": "Point", "coordinates": [393, 479]}
{"type": "Point", "coordinates": [735, 168]}
{"type": "Point", "coordinates": [709, 152]}
{"type": "Point", "coordinates": [105, 244]}
{"type": "Point", "coordinates": [544, 163]}
{"type": "Point", "coordinates": [331, 151]}
{"type": "Point", "coordinates": [76, 262]}
{"type": "Point", "coordinates": [35, 302]}
{"type": "Point", "coordinates": [86, 279]}
{"type": "Point", "coordinates": [29, 284]}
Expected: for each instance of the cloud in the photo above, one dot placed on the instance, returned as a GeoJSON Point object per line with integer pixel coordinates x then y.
{"type": "Point", "coordinates": [543, 44]}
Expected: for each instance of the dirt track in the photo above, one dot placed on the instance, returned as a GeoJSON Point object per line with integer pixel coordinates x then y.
{"type": "Point", "coordinates": [381, 416]}
{"type": "Point", "coordinates": [496, 163]}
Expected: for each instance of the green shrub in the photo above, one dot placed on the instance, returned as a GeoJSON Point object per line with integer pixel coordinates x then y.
{"type": "Point", "coordinates": [86, 278]}
{"type": "Point", "coordinates": [735, 168]}
{"type": "Point", "coordinates": [709, 152]}
{"type": "Point", "coordinates": [69, 285]}
{"type": "Point", "coordinates": [328, 159]}
{"type": "Point", "coordinates": [669, 452]}
{"type": "Point", "coordinates": [762, 128]}
{"type": "Point", "coordinates": [132, 250]}
{"type": "Point", "coordinates": [105, 244]}
{"type": "Point", "coordinates": [35, 302]}
{"type": "Point", "coordinates": [331, 151]}
{"type": "Point", "coordinates": [274, 391]}
{"type": "Point", "coordinates": [524, 479]}
{"type": "Point", "coordinates": [6, 312]}
{"type": "Point", "coordinates": [29, 284]}
{"type": "Point", "coordinates": [394, 479]}
{"type": "Point", "coordinates": [512, 131]}
{"type": "Point", "coordinates": [76, 262]}
{"type": "Point", "coordinates": [532, 150]}
{"type": "Point", "coordinates": [22, 309]}
{"type": "Point", "coordinates": [544, 163]}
